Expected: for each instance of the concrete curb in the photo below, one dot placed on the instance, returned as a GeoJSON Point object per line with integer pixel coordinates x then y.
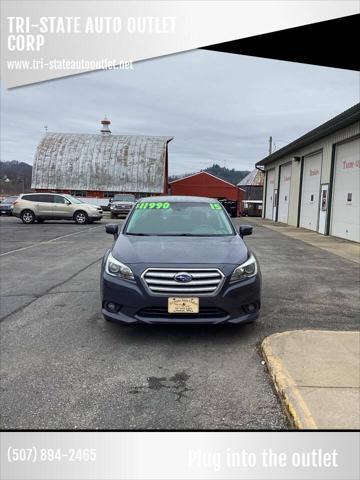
{"type": "Point", "coordinates": [290, 396]}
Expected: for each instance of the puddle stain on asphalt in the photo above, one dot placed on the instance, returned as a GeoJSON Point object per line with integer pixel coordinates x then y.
{"type": "Point", "coordinates": [156, 383]}
{"type": "Point", "coordinates": [175, 384]}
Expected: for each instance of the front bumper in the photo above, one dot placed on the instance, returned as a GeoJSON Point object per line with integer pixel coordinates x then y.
{"type": "Point", "coordinates": [95, 216]}
{"type": "Point", "coordinates": [6, 210]}
{"type": "Point", "coordinates": [234, 304]}
{"type": "Point", "coordinates": [119, 211]}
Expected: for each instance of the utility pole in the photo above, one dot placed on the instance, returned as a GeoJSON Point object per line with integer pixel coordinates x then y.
{"type": "Point", "coordinates": [270, 145]}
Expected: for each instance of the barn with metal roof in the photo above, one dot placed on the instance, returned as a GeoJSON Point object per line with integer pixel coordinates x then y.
{"type": "Point", "coordinates": [99, 165]}
{"type": "Point", "coordinates": [253, 185]}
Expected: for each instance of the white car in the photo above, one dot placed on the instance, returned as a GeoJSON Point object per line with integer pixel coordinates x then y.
{"type": "Point", "coordinates": [54, 206]}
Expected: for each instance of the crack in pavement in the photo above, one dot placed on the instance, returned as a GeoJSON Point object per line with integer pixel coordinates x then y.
{"type": "Point", "coordinates": [33, 245]}
{"type": "Point", "coordinates": [36, 297]}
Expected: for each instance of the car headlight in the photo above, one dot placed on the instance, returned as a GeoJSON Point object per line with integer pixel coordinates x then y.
{"type": "Point", "coordinates": [246, 270]}
{"type": "Point", "coordinates": [117, 269]}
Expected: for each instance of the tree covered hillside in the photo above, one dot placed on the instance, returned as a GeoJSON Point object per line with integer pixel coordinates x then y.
{"type": "Point", "coordinates": [230, 175]}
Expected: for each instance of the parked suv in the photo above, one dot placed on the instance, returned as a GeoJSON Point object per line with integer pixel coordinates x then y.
{"type": "Point", "coordinates": [121, 204]}
{"type": "Point", "coordinates": [54, 206]}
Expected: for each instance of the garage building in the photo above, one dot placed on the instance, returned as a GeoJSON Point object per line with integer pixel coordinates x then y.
{"type": "Point", "coordinates": [100, 165]}
{"type": "Point", "coordinates": [314, 182]}
{"type": "Point", "coordinates": [204, 184]}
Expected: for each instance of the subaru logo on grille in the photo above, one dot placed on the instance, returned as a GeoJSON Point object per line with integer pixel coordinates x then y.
{"type": "Point", "coordinates": [183, 277]}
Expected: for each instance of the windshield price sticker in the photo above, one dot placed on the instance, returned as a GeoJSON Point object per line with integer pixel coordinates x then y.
{"type": "Point", "coordinates": [152, 205]}
{"type": "Point", "coordinates": [215, 206]}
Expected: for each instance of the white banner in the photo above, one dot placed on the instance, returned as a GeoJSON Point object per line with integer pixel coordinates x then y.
{"type": "Point", "coordinates": [42, 40]}
{"type": "Point", "coordinates": [180, 455]}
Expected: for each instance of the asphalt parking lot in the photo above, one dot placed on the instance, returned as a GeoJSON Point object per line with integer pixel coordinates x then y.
{"type": "Point", "coordinates": [64, 367]}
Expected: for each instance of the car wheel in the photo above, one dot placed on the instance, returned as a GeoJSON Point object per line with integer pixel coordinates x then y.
{"type": "Point", "coordinates": [27, 216]}
{"type": "Point", "coordinates": [80, 217]}
{"type": "Point", "coordinates": [112, 215]}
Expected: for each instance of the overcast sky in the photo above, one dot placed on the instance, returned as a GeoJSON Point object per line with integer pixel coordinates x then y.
{"type": "Point", "coordinates": [221, 108]}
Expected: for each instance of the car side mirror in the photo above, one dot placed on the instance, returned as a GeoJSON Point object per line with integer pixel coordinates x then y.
{"type": "Point", "coordinates": [110, 200]}
{"type": "Point", "coordinates": [245, 230]}
{"type": "Point", "coordinates": [113, 229]}
{"type": "Point", "coordinates": [68, 202]}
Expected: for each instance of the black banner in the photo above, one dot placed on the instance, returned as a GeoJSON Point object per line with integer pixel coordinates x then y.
{"type": "Point", "coordinates": [330, 44]}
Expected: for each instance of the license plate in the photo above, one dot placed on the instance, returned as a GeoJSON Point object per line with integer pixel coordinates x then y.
{"type": "Point", "coordinates": [183, 305]}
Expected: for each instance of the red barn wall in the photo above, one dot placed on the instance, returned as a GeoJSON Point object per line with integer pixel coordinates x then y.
{"type": "Point", "coordinates": [205, 185]}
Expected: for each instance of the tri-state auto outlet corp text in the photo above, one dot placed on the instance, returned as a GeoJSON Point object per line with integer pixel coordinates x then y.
{"type": "Point", "coordinates": [25, 34]}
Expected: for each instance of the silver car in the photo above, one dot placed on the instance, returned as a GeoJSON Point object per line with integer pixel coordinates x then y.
{"type": "Point", "coordinates": [54, 206]}
{"type": "Point", "coordinates": [121, 205]}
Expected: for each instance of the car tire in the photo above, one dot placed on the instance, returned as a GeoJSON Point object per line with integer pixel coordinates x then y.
{"type": "Point", "coordinates": [112, 215]}
{"type": "Point", "coordinates": [81, 217]}
{"type": "Point", "coordinates": [27, 217]}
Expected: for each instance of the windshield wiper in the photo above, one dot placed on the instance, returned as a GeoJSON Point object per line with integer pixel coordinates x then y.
{"type": "Point", "coordinates": [194, 234]}
{"type": "Point", "coordinates": [139, 234]}
{"type": "Point", "coordinates": [181, 235]}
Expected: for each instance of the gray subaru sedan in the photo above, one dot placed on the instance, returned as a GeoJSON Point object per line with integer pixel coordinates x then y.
{"type": "Point", "coordinates": [179, 260]}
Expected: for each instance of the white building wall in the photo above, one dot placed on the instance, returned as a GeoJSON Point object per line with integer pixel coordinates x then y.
{"type": "Point", "coordinates": [345, 212]}
{"type": "Point", "coordinates": [270, 182]}
{"type": "Point", "coordinates": [284, 192]}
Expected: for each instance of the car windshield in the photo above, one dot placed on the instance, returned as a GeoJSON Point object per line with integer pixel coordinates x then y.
{"type": "Point", "coordinates": [124, 198]}
{"type": "Point", "coordinates": [179, 219]}
{"type": "Point", "coordinates": [9, 199]}
{"type": "Point", "coordinates": [73, 199]}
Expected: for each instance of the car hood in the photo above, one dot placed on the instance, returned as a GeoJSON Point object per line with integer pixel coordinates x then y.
{"type": "Point", "coordinates": [155, 250]}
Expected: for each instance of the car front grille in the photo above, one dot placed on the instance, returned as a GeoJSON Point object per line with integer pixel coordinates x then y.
{"type": "Point", "coordinates": [161, 281]}
{"type": "Point", "coordinates": [123, 207]}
